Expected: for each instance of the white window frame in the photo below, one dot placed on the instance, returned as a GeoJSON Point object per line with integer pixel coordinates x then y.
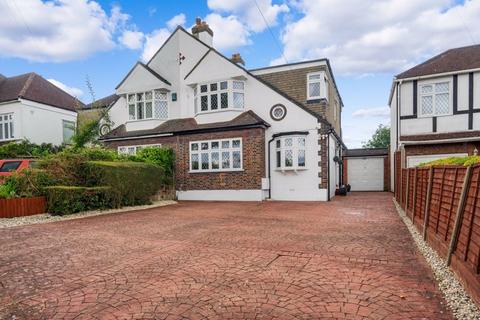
{"type": "Point", "coordinates": [135, 101]}
{"type": "Point", "coordinates": [434, 94]}
{"type": "Point", "coordinates": [209, 151]}
{"type": "Point", "coordinates": [132, 150]}
{"type": "Point", "coordinates": [218, 92]}
{"type": "Point", "coordinates": [295, 148]}
{"type": "Point", "coordinates": [8, 126]}
{"type": "Point", "coordinates": [319, 80]}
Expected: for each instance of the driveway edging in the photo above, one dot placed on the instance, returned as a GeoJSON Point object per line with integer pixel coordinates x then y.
{"type": "Point", "coordinates": [458, 300]}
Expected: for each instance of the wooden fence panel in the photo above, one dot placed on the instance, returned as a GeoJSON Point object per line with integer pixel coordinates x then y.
{"type": "Point", "coordinates": [403, 187]}
{"type": "Point", "coordinates": [411, 184]}
{"type": "Point", "coordinates": [421, 197]}
{"type": "Point", "coordinates": [20, 207]}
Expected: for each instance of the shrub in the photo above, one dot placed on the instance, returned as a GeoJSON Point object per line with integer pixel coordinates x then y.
{"type": "Point", "coordinates": [7, 191]}
{"type": "Point", "coordinates": [455, 161]}
{"type": "Point", "coordinates": [132, 183]}
{"type": "Point", "coordinates": [30, 183]}
{"type": "Point", "coordinates": [27, 149]}
{"type": "Point", "coordinates": [162, 157]}
{"type": "Point", "coordinates": [63, 200]}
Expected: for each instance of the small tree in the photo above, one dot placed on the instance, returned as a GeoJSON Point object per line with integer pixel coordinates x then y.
{"type": "Point", "coordinates": [380, 139]}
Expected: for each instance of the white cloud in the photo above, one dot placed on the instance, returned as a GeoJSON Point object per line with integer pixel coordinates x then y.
{"type": "Point", "coordinates": [248, 13]}
{"type": "Point", "coordinates": [153, 42]}
{"type": "Point", "coordinates": [76, 92]}
{"type": "Point", "coordinates": [178, 20]}
{"type": "Point", "coordinates": [228, 32]}
{"type": "Point", "coordinates": [369, 36]}
{"type": "Point", "coordinates": [132, 39]}
{"type": "Point", "coordinates": [57, 31]}
{"type": "Point", "coordinates": [380, 112]}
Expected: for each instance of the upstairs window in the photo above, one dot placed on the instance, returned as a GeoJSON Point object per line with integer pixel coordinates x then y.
{"type": "Point", "coordinates": [217, 96]}
{"type": "Point", "coordinates": [435, 99]}
{"type": "Point", "coordinates": [290, 153]}
{"type": "Point", "coordinates": [216, 155]}
{"type": "Point", "coordinates": [148, 105]}
{"type": "Point", "coordinates": [6, 126]}
{"type": "Point", "coordinates": [314, 81]}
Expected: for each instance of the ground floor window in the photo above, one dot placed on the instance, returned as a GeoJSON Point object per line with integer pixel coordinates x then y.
{"type": "Point", "coordinates": [6, 126]}
{"type": "Point", "coordinates": [290, 153]}
{"type": "Point", "coordinates": [216, 155]}
{"type": "Point", "coordinates": [68, 131]}
{"type": "Point", "coordinates": [132, 150]}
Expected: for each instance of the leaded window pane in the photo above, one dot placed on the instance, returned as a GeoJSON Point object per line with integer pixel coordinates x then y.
{"type": "Point", "coordinates": [204, 146]}
{"type": "Point", "coordinates": [161, 109]}
{"type": "Point", "coordinates": [442, 104]}
{"type": "Point", "coordinates": [148, 110]}
{"type": "Point", "coordinates": [140, 96]}
{"type": "Point", "coordinates": [236, 143]}
{"type": "Point", "coordinates": [160, 95]}
{"type": "Point", "coordinates": [194, 160]}
{"type": "Point", "coordinates": [131, 98]}
{"type": "Point", "coordinates": [215, 145]}
{"type": "Point", "coordinates": [427, 105]}
{"type": "Point", "coordinates": [238, 85]}
{"type": "Point", "coordinates": [225, 144]}
{"type": "Point", "coordinates": [314, 76]}
{"type": "Point", "coordinates": [204, 103]}
{"type": "Point", "coordinates": [236, 161]}
{"type": "Point", "coordinates": [214, 102]}
{"type": "Point", "coordinates": [288, 158]}
{"type": "Point", "coordinates": [226, 160]}
{"type": "Point", "coordinates": [301, 158]}
{"type": "Point", "coordinates": [427, 89]}
{"type": "Point", "coordinates": [148, 95]}
{"type": "Point", "coordinates": [131, 111]}
{"type": "Point", "coordinates": [194, 146]}
{"type": "Point", "coordinates": [224, 100]}
{"type": "Point", "coordinates": [441, 87]}
{"type": "Point", "coordinates": [223, 85]}
{"type": "Point", "coordinates": [238, 100]}
{"type": "Point", "coordinates": [215, 160]}
{"type": "Point", "coordinates": [279, 143]}
{"type": "Point", "coordinates": [140, 114]}
{"type": "Point", "coordinates": [204, 157]}
{"type": "Point", "coordinates": [213, 87]}
{"type": "Point", "coordinates": [203, 88]}
{"type": "Point", "coordinates": [314, 89]}
{"type": "Point", "coordinates": [288, 142]}
{"type": "Point", "coordinates": [301, 142]}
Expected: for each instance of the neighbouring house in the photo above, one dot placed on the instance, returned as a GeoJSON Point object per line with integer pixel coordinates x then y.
{"type": "Point", "coordinates": [268, 133]}
{"type": "Point", "coordinates": [435, 109]}
{"type": "Point", "coordinates": [93, 111]}
{"type": "Point", "coordinates": [32, 108]}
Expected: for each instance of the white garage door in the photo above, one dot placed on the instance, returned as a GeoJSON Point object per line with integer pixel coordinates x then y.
{"type": "Point", "coordinates": [365, 174]}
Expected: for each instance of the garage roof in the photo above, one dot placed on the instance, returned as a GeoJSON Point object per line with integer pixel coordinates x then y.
{"type": "Point", "coordinates": [367, 152]}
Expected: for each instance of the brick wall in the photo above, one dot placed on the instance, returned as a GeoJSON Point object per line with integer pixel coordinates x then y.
{"type": "Point", "coordinates": [461, 147]}
{"type": "Point", "coordinates": [294, 84]}
{"type": "Point", "coordinates": [253, 141]}
{"type": "Point", "coordinates": [323, 161]}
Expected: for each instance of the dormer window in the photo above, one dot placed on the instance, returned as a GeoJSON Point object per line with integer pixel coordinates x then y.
{"type": "Point", "coordinates": [314, 83]}
{"type": "Point", "coordinates": [218, 96]}
{"type": "Point", "coordinates": [148, 105]}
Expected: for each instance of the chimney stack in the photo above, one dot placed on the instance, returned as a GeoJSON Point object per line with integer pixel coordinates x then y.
{"type": "Point", "coordinates": [237, 58]}
{"type": "Point", "coordinates": [201, 30]}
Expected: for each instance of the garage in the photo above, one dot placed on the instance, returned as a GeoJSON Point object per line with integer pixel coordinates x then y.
{"type": "Point", "coordinates": [365, 169]}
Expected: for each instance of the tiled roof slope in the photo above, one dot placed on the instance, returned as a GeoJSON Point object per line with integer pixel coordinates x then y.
{"type": "Point", "coordinates": [366, 152]}
{"type": "Point", "coordinates": [248, 118]}
{"type": "Point", "coordinates": [33, 87]}
{"type": "Point", "coordinates": [104, 102]}
{"type": "Point", "coordinates": [457, 59]}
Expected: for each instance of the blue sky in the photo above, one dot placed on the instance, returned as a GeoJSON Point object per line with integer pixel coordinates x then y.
{"type": "Point", "coordinates": [68, 41]}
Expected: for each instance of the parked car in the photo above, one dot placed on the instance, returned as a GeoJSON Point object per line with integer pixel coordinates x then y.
{"type": "Point", "coordinates": [9, 166]}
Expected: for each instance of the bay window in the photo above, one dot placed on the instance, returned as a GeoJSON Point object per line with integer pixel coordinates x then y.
{"type": "Point", "coordinates": [216, 155]}
{"type": "Point", "coordinates": [218, 96]}
{"type": "Point", "coordinates": [6, 126]}
{"type": "Point", "coordinates": [435, 99]}
{"type": "Point", "coordinates": [148, 105]}
{"type": "Point", "coordinates": [290, 153]}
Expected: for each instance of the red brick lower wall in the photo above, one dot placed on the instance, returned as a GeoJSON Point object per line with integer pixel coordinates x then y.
{"type": "Point", "coordinates": [426, 149]}
{"type": "Point", "coordinates": [253, 141]}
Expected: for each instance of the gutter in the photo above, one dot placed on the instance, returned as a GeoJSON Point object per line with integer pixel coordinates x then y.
{"type": "Point", "coordinates": [436, 75]}
{"type": "Point", "coordinates": [413, 142]}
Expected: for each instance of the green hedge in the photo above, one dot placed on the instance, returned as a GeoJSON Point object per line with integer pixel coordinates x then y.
{"type": "Point", "coordinates": [63, 200]}
{"type": "Point", "coordinates": [131, 183]}
{"type": "Point", "coordinates": [456, 161]}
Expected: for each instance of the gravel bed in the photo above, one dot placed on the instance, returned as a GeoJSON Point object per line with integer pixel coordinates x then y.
{"type": "Point", "coordinates": [457, 299]}
{"type": "Point", "coordinates": [45, 217]}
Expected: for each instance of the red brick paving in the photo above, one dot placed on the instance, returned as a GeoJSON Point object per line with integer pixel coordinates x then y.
{"type": "Point", "coordinates": [351, 258]}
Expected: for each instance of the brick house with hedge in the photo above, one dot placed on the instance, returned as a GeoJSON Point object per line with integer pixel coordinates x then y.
{"type": "Point", "coordinates": [237, 134]}
{"type": "Point", "coordinates": [435, 109]}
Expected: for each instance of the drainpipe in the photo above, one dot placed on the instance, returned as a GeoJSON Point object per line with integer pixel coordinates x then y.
{"type": "Point", "coordinates": [268, 166]}
{"type": "Point", "coordinates": [328, 165]}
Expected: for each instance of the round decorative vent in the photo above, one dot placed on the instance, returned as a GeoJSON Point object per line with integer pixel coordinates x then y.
{"type": "Point", "coordinates": [278, 112]}
{"type": "Point", "coordinates": [104, 129]}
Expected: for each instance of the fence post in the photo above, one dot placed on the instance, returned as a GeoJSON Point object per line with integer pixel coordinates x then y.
{"type": "Point", "coordinates": [414, 195]}
{"type": "Point", "coordinates": [459, 216]}
{"type": "Point", "coordinates": [407, 188]}
{"type": "Point", "coordinates": [426, 214]}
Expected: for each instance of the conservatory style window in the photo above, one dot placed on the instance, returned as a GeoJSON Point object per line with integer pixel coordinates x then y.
{"type": "Point", "coordinates": [147, 105]}
{"type": "Point", "coordinates": [216, 155]}
{"type": "Point", "coordinates": [218, 96]}
{"type": "Point", "coordinates": [290, 153]}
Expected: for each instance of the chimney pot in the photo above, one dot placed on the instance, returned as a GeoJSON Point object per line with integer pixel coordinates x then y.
{"type": "Point", "coordinates": [237, 58]}
{"type": "Point", "coordinates": [201, 30]}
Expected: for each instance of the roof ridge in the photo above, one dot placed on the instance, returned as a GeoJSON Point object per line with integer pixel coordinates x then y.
{"type": "Point", "coordinates": [27, 83]}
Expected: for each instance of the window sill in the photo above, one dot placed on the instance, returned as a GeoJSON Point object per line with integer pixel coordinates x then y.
{"type": "Point", "coordinates": [219, 111]}
{"type": "Point", "coordinates": [144, 120]}
{"type": "Point", "coordinates": [316, 100]}
{"type": "Point", "coordinates": [290, 169]}
{"type": "Point", "coordinates": [215, 171]}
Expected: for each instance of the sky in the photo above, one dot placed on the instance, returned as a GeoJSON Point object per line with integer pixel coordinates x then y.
{"type": "Point", "coordinates": [72, 42]}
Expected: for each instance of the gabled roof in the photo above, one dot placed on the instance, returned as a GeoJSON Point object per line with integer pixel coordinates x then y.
{"type": "Point", "coordinates": [188, 125]}
{"type": "Point", "coordinates": [458, 59]}
{"type": "Point", "coordinates": [31, 86]}
{"type": "Point", "coordinates": [146, 68]}
{"type": "Point", "coordinates": [104, 102]}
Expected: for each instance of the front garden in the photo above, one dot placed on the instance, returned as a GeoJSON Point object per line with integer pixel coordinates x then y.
{"type": "Point", "coordinates": [88, 178]}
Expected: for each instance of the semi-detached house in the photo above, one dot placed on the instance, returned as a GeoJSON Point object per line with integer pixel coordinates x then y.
{"type": "Point", "coordinates": [268, 133]}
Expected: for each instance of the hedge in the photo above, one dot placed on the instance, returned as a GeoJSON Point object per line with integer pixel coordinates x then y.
{"type": "Point", "coordinates": [131, 183]}
{"type": "Point", "coordinates": [63, 200]}
{"type": "Point", "coordinates": [457, 161]}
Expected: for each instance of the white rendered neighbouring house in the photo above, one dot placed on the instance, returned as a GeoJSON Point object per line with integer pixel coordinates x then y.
{"type": "Point", "coordinates": [33, 109]}
{"type": "Point", "coordinates": [435, 109]}
{"type": "Point", "coordinates": [269, 133]}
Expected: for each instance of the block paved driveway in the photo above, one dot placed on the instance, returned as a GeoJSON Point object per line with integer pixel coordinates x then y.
{"type": "Point", "coordinates": [350, 258]}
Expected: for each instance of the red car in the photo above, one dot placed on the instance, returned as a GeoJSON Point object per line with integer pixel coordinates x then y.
{"type": "Point", "coordinates": [9, 166]}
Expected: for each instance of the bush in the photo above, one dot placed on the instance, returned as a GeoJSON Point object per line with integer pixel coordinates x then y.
{"type": "Point", "coordinates": [162, 157]}
{"type": "Point", "coordinates": [131, 183]}
{"type": "Point", "coordinates": [27, 149]}
{"type": "Point", "coordinates": [7, 191]}
{"type": "Point", "coordinates": [63, 200]}
{"type": "Point", "coordinates": [455, 161]}
{"type": "Point", "coordinates": [30, 183]}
